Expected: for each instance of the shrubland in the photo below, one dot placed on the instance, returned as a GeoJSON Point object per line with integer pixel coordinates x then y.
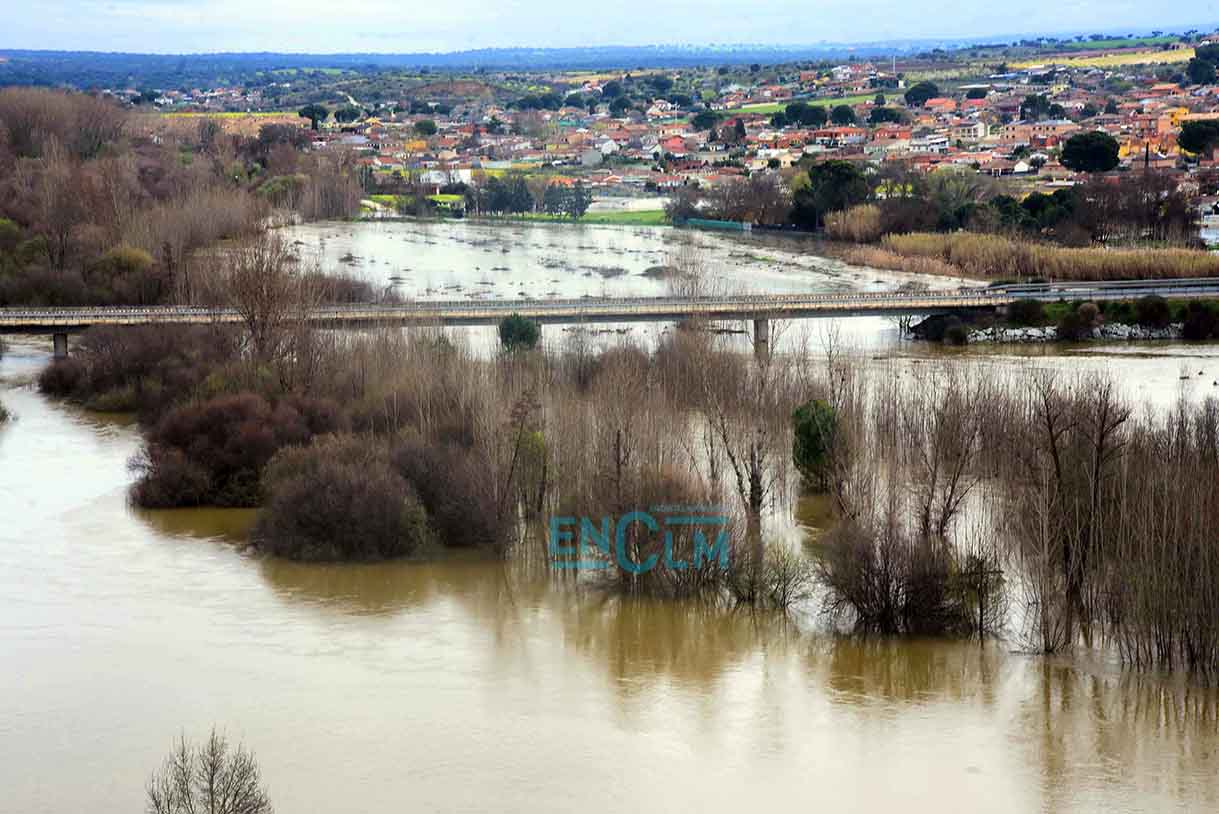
{"type": "Point", "coordinates": [95, 210]}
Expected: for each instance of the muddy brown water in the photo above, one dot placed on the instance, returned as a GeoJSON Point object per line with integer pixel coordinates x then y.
{"type": "Point", "coordinates": [462, 685]}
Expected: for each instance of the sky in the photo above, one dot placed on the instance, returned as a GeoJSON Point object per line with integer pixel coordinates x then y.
{"type": "Point", "coordinates": [408, 26]}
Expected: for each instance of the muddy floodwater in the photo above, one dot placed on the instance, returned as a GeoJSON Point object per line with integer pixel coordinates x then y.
{"type": "Point", "coordinates": [478, 260]}
{"type": "Point", "coordinates": [467, 685]}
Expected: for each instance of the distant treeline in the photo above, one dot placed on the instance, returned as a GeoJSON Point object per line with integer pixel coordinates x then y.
{"type": "Point", "coordinates": [88, 69]}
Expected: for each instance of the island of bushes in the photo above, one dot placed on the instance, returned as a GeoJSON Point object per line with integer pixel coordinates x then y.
{"type": "Point", "coordinates": [1146, 318]}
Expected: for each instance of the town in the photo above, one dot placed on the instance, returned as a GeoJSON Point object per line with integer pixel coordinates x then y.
{"type": "Point", "coordinates": [477, 408]}
{"type": "Point", "coordinates": [633, 139]}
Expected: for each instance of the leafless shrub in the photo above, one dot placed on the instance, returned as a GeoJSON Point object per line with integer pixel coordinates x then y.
{"type": "Point", "coordinates": [210, 777]}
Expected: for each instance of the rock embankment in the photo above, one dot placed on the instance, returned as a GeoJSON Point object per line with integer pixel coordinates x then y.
{"type": "Point", "coordinates": [1115, 331]}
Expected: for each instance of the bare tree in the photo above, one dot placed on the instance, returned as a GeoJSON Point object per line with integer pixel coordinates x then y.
{"type": "Point", "coordinates": [210, 778]}
{"type": "Point", "coordinates": [263, 281]}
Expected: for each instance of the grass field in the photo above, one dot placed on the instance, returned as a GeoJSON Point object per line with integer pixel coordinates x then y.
{"type": "Point", "coordinates": [1115, 59]}
{"type": "Point", "coordinates": [775, 107]}
{"type": "Point", "coordinates": [648, 217]}
{"type": "Point", "coordinates": [1116, 42]}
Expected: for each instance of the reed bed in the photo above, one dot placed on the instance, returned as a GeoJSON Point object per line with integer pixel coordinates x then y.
{"type": "Point", "coordinates": [996, 257]}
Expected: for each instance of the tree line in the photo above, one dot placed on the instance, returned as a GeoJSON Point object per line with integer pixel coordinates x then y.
{"type": "Point", "coordinates": [98, 211]}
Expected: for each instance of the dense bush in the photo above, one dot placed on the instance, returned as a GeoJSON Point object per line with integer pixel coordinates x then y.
{"type": "Point", "coordinates": [518, 333]}
{"type": "Point", "coordinates": [456, 489]}
{"type": "Point", "coordinates": [339, 499]}
{"type": "Point", "coordinates": [812, 440]}
{"type": "Point", "coordinates": [903, 215]}
{"type": "Point", "coordinates": [956, 332]}
{"type": "Point", "coordinates": [1152, 311]}
{"type": "Point", "coordinates": [219, 447]}
{"type": "Point", "coordinates": [1201, 321]}
{"type": "Point", "coordinates": [1026, 312]}
{"type": "Point", "coordinates": [142, 369]}
{"type": "Point", "coordinates": [1072, 326]}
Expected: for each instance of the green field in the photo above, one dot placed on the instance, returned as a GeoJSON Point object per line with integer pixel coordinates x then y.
{"type": "Point", "coordinates": [828, 102]}
{"type": "Point", "coordinates": [648, 217]}
{"type": "Point", "coordinates": [1115, 42]}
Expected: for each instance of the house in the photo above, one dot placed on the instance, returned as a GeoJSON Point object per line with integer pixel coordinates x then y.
{"type": "Point", "coordinates": [674, 145]}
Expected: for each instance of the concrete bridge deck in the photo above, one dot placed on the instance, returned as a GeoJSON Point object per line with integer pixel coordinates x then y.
{"type": "Point", "coordinates": [757, 307]}
{"type": "Point", "coordinates": [629, 309]}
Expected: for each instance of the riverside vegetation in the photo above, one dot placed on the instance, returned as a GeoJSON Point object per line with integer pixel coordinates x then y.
{"type": "Point", "coordinates": [1038, 508]}
{"type": "Point", "coordinates": [95, 212]}
{"type": "Point", "coordinates": [954, 222]}
{"type": "Point", "coordinates": [1073, 321]}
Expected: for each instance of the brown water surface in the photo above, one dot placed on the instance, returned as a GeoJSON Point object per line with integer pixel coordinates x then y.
{"type": "Point", "coordinates": [463, 685]}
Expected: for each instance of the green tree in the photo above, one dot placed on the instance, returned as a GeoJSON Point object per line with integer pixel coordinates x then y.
{"type": "Point", "coordinates": [1207, 53]}
{"type": "Point", "coordinates": [704, 120]}
{"type": "Point", "coordinates": [1035, 107]}
{"type": "Point", "coordinates": [1090, 152]}
{"type": "Point", "coordinates": [425, 127]}
{"type": "Point", "coordinates": [517, 333]}
{"type": "Point", "coordinates": [918, 95]}
{"type": "Point", "coordinates": [1201, 72]}
{"type": "Point", "coordinates": [880, 115]}
{"type": "Point", "coordinates": [347, 114]}
{"type": "Point", "coordinates": [843, 115]}
{"type": "Point", "coordinates": [813, 426]}
{"type": "Point", "coordinates": [554, 199]}
{"type": "Point", "coordinates": [578, 200]}
{"type": "Point", "coordinates": [738, 130]}
{"type": "Point", "coordinates": [976, 93]}
{"type": "Point", "coordinates": [316, 114]}
{"type": "Point", "coordinates": [828, 186]}
{"type": "Point", "coordinates": [1199, 136]}
{"type": "Point", "coordinates": [805, 114]}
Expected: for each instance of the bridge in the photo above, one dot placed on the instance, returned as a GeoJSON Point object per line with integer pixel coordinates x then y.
{"type": "Point", "coordinates": [759, 308]}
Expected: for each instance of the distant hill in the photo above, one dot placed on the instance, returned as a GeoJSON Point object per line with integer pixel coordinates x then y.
{"type": "Point", "coordinates": [88, 69]}
{"type": "Point", "coordinates": [102, 69]}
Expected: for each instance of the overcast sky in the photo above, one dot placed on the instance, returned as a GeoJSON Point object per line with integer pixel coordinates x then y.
{"type": "Point", "coordinates": [400, 26]}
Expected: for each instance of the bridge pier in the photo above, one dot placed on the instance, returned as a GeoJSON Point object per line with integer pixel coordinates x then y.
{"type": "Point", "coordinates": [761, 339]}
{"type": "Point", "coordinates": [61, 346]}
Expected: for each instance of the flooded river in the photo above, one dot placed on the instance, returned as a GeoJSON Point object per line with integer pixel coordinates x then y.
{"type": "Point", "coordinates": [472, 260]}
{"type": "Point", "coordinates": [462, 685]}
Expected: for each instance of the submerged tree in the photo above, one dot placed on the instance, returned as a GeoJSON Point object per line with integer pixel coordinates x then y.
{"type": "Point", "coordinates": [518, 333]}
{"type": "Point", "coordinates": [813, 437]}
{"type": "Point", "coordinates": [208, 778]}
